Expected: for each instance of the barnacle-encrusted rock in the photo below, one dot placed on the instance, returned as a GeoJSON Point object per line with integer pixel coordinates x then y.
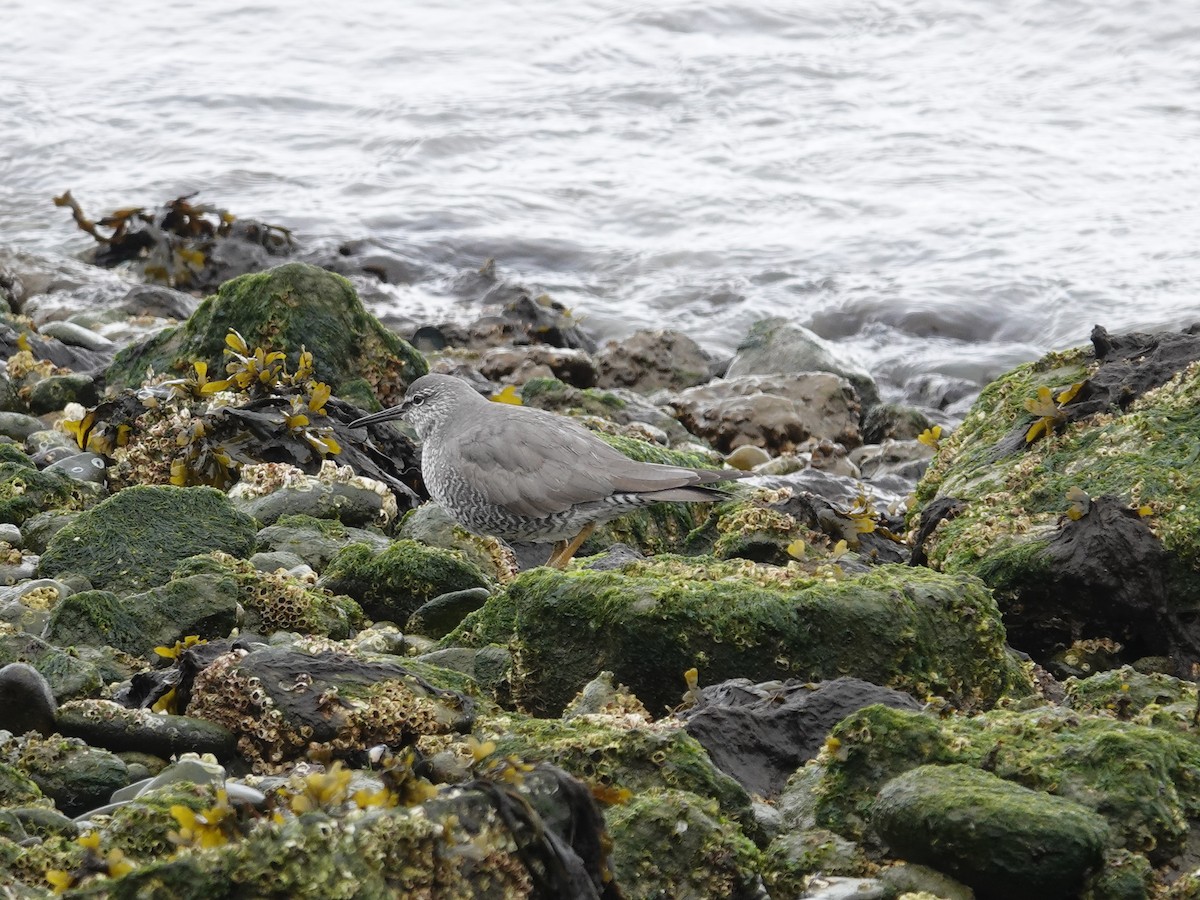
{"type": "Point", "coordinates": [1073, 490]}
{"type": "Point", "coordinates": [988, 832]}
{"type": "Point", "coordinates": [672, 843]}
{"type": "Point", "coordinates": [274, 601]}
{"type": "Point", "coordinates": [204, 605]}
{"type": "Point", "coordinates": [135, 539]}
{"type": "Point", "coordinates": [291, 306]}
{"type": "Point", "coordinates": [282, 702]}
{"type": "Point", "coordinates": [393, 584]}
{"type": "Point", "coordinates": [103, 723]}
{"type": "Point", "coordinates": [1143, 780]}
{"type": "Point", "coordinates": [72, 774]}
{"type": "Point", "coordinates": [26, 491]}
{"type": "Point", "coordinates": [906, 628]}
{"type": "Point", "coordinates": [271, 491]}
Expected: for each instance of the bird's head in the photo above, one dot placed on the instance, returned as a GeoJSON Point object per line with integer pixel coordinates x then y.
{"type": "Point", "coordinates": [429, 401]}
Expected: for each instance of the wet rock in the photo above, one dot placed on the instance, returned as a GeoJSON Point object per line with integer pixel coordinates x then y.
{"type": "Point", "coordinates": [1086, 532]}
{"type": "Point", "coordinates": [54, 393]}
{"type": "Point", "coordinates": [19, 426]}
{"type": "Point", "coordinates": [203, 605]}
{"type": "Point", "coordinates": [136, 538]}
{"type": "Point", "coordinates": [654, 620]}
{"type": "Point", "coordinates": [394, 583]}
{"type": "Point", "coordinates": [670, 843]}
{"type": "Point", "coordinates": [26, 701]}
{"type": "Point", "coordinates": [760, 734]}
{"type": "Point", "coordinates": [891, 421]}
{"type": "Point", "coordinates": [78, 336]}
{"type": "Point", "coordinates": [17, 788]}
{"type": "Point", "coordinates": [288, 307]}
{"type": "Point", "coordinates": [775, 346]}
{"type": "Point", "coordinates": [72, 774]}
{"type": "Point", "coordinates": [68, 675]}
{"type": "Point", "coordinates": [647, 361]}
{"type": "Point", "coordinates": [619, 406]}
{"type": "Point", "coordinates": [84, 466]}
{"type": "Point", "coordinates": [38, 529]}
{"type": "Point", "coordinates": [283, 701]}
{"type": "Point", "coordinates": [516, 365]}
{"type": "Point", "coordinates": [1138, 778]}
{"type": "Point", "coordinates": [271, 601]}
{"type": "Point", "coordinates": [316, 541]}
{"type": "Point", "coordinates": [941, 392]}
{"type": "Point", "coordinates": [157, 301]}
{"type": "Point", "coordinates": [102, 723]}
{"type": "Point", "coordinates": [1001, 839]}
{"type": "Point", "coordinates": [905, 459]}
{"type": "Point", "coordinates": [776, 412]}
{"type": "Point", "coordinates": [442, 614]}
{"type": "Point", "coordinates": [333, 493]}
{"type": "Point", "coordinates": [24, 491]}
{"type": "Point", "coordinates": [10, 534]}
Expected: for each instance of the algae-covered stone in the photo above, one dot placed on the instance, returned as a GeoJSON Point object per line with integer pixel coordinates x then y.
{"type": "Point", "coordinates": [203, 605]}
{"type": "Point", "coordinates": [25, 491]}
{"type": "Point", "coordinates": [135, 539]}
{"type": "Point", "coordinates": [16, 787]}
{"type": "Point", "coordinates": [1143, 780]}
{"type": "Point", "coordinates": [274, 601]}
{"type": "Point", "coordinates": [316, 541]}
{"type": "Point", "coordinates": [393, 584]}
{"type": "Point", "coordinates": [999, 838]}
{"type": "Point", "coordinates": [68, 675]}
{"type": "Point", "coordinates": [1132, 696]}
{"type": "Point", "coordinates": [672, 843]}
{"type": "Point", "coordinates": [72, 774]}
{"type": "Point", "coordinates": [906, 628]}
{"type": "Point", "coordinates": [286, 308]}
{"type": "Point", "coordinates": [1072, 489]}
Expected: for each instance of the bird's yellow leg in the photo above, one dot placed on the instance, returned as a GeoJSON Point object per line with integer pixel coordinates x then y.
{"type": "Point", "coordinates": [555, 553]}
{"type": "Point", "coordinates": [560, 559]}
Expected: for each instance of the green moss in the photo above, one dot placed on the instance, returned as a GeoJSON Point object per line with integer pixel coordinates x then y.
{"type": "Point", "coordinates": [25, 491]}
{"type": "Point", "coordinates": [330, 528]}
{"type": "Point", "coordinates": [291, 306]}
{"type": "Point", "coordinates": [134, 539]}
{"type": "Point", "coordinates": [670, 843]}
{"type": "Point", "coordinates": [650, 622]}
{"type": "Point", "coordinates": [604, 755]}
{"type": "Point", "coordinates": [1142, 780]}
{"type": "Point", "coordinates": [552, 394]}
{"type": "Point", "coordinates": [391, 585]}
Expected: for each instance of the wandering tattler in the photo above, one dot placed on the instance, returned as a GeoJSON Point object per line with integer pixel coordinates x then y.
{"type": "Point", "coordinates": [528, 475]}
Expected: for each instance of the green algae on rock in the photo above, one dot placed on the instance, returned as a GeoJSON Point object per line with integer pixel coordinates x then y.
{"type": "Point", "coordinates": [394, 583]}
{"type": "Point", "coordinates": [68, 675]}
{"type": "Point", "coordinates": [25, 491]}
{"type": "Point", "coordinates": [274, 601]}
{"type": "Point", "coordinates": [203, 605]}
{"type": "Point", "coordinates": [1089, 529]}
{"type": "Point", "coordinates": [1142, 780]}
{"type": "Point", "coordinates": [997, 837]}
{"type": "Point", "coordinates": [72, 774]}
{"type": "Point", "coordinates": [911, 629]}
{"type": "Point", "coordinates": [291, 306]}
{"type": "Point", "coordinates": [673, 843]}
{"type": "Point", "coordinates": [134, 539]}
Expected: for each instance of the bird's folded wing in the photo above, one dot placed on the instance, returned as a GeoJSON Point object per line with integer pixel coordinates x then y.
{"type": "Point", "coordinates": [538, 471]}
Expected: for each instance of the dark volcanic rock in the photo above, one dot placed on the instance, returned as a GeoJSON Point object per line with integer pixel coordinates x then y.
{"type": "Point", "coordinates": [760, 734]}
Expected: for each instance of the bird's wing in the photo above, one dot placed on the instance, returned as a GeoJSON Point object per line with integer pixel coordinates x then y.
{"type": "Point", "coordinates": [537, 471]}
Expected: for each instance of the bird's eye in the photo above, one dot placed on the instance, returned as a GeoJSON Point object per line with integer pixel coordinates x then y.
{"type": "Point", "coordinates": [418, 400]}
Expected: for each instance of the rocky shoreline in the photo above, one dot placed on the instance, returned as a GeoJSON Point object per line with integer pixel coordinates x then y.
{"type": "Point", "coordinates": [937, 646]}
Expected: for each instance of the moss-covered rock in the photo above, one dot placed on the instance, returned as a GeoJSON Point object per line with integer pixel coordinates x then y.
{"type": "Point", "coordinates": [273, 601]}
{"type": "Point", "coordinates": [1082, 515]}
{"type": "Point", "coordinates": [612, 755]}
{"type": "Point", "coordinates": [291, 306]}
{"type": "Point", "coordinates": [25, 491]}
{"type": "Point", "coordinates": [999, 838]}
{"type": "Point", "coordinates": [203, 605]}
{"type": "Point", "coordinates": [69, 676]}
{"type": "Point", "coordinates": [135, 539]}
{"type": "Point", "coordinates": [393, 584]}
{"type": "Point", "coordinates": [1143, 780]}
{"type": "Point", "coordinates": [907, 628]}
{"type": "Point", "coordinates": [72, 774]}
{"type": "Point", "coordinates": [671, 843]}
{"type": "Point", "coordinates": [1132, 696]}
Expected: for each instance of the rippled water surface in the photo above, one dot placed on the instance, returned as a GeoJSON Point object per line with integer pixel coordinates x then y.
{"type": "Point", "coordinates": [940, 186]}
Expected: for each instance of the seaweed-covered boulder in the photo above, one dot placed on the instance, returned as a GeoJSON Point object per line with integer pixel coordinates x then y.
{"type": "Point", "coordinates": [25, 491]}
{"type": "Point", "coordinates": [651, 621]}
{"type": "Point", "coordinates": [203, 605]}
{"type": "Point", "coordinates": [283, 702]}
{"type": "Point", "coordinates": [134, 539]}
{"type": "Point", "coordinates": [291, 306]}
{"type": "Point", "coordinates": [1072, 489]}
{"type": "Point", "coordinates": [1142, 780]}
{"type": "Point", "coordinates": [999, 838]}
{"type": "Point", "coordinates": [672, 843]}
{"type": "Point", "coordinates": [394, 583]}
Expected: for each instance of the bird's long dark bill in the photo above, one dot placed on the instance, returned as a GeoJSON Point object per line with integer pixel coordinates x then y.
{"type": "Point", "coordinates": [384, 415]}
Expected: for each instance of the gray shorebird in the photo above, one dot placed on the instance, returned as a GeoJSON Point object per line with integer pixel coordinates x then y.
{"type": "Point", "coordinates": [524, 474]}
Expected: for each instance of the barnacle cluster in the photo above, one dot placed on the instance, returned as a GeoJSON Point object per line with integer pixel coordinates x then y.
{"type": "Point", "coordinates": [197, 430]}
{"type": "Point", "coordinates": [391, 711]}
